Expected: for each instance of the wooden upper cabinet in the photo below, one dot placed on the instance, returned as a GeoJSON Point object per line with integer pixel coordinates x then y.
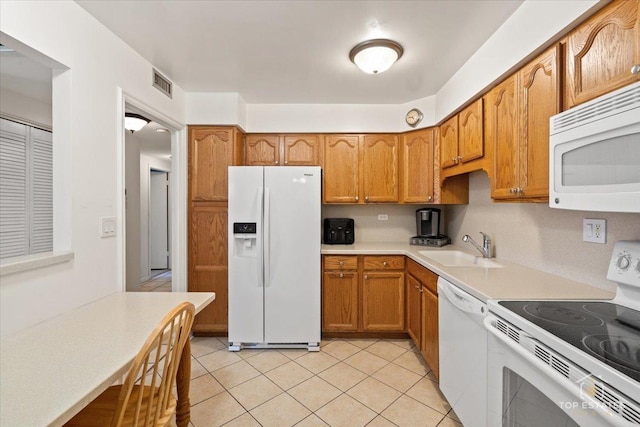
{"type": "Point", "coordinates": [449, 143]}
{"type": "Point", "coordinates": [502, 132]}
{"type": "Point", "coordinates": [380, 168]}
{"type": "Point", "coordinates": [341, 169]}
{"type": "Point", "coordinates": [601, 52]}
{"type": "Point", "coordinates": [539, 87]}
{"type": "Point", "coordinates": [416, 167]}
{"type": "Point", "coordinates": [301, 150]}
{"type": "Point", "coordinates": [470, 138]}
{"type": "Point", "coordinates": [262, 150]}
{"type": "Point", "coordinates": [517, 125]}
{"type": "Point", "coordinates": [211, 150]}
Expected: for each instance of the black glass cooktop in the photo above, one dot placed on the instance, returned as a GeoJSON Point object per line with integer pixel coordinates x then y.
{"type": "Point", "coordinates": [609, 332]}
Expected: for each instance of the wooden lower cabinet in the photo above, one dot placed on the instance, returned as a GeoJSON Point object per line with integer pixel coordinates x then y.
{"type": "Point", "coordinates": [429, 346]}
{"type": "Point", "coordinates": [363, 293]}
{"type": "Point", "coordinates": [414, 301]}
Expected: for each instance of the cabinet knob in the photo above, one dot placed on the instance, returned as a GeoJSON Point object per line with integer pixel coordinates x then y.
{"type": "Point", "coordinates": [453, 159]}
{"type": "Point", "coordinates": [341, 275]}
{"type": "Point", "coordinates": [286, 162]}
{"type": "Point", "coordinates": [459, 157]}
{"type": "Point", "coordinates": [366, 198]}
{"type": "Point", "coordinates": [356, 198]}
{"type": "Point", "coordinates": [429, 198]}
{"type": "Point", "coordinates": [384, 263]}
{"type": "Point", "coordinates": [341, 263]}
{"type": "Point", "coordinates": [520, 190]}
{"type": "Point", "coordinates": [366, 277]}
{"type": "Point", "coordinates": [417, 287]}
{"type": "Point", "coordinates": [635, 69]}
{"type": "Point", "coordinates": [421, 290]}
{"type": "Point", "coordinates": [512, 190]}
{"type": "Point", "coordinates": [276, 162]}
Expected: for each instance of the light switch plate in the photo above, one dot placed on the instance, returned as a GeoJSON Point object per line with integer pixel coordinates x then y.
{"type": "Point", "coordinates": [383, 217]}
{"type": "Point", "coordinates": [107, 226]}
{"type": "Point", "coordinates": [594, 230]}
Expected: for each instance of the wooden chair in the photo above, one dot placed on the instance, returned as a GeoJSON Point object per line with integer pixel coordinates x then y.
{"type": "Point", "coordinates": [146, 397]}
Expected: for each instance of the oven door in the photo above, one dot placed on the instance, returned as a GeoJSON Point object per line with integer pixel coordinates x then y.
{"type": "Point", "coordinates": [524, 391]}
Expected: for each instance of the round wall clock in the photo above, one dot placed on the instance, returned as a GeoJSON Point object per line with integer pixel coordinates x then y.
{"type": "Point", "coordinates": [413, 117]}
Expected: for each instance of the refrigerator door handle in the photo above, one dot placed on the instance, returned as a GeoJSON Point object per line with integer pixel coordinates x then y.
{"type": "Point", "coordinates": [260, 269]}
{"type": "Point", "coordinates": [267, 240]}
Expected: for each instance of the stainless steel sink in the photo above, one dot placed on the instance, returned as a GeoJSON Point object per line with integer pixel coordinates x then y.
{"type": "Point", "coordinates": [453, 258]}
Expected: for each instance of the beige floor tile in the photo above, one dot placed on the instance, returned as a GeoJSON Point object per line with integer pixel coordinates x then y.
{"type": "Point", "coordinates": [432, 377]}
{"type": "Point", "coordinates": [314, 393]}
{"type": "Point", "coordinates": [224, 341]}
{"type": "Point", "coordinates": [268, 360]}
{"type": "Point", "coordinates": [294, 353]}
{"type": "Point", "coordinates": [288, 375]}
{"type": "Point", "coordinates": [452, 414]}
{"type": "Point", "coordinates": [413, 362]}
{"type": "Point", "coordinates": [407, 344]}
{"type": "Point", "coordinates": [410, 413]}
{"type": "Point", "coordinates": [316, 361]}
{"type": "Point", "coordinates": [312, 421]}
{"type": "Point", "coordinates": [197, 370]}
{"type": "Point", "coordinates": [448, 422]}
{"type": "Point", "coordinates": [245, 420]}
{"type": "Point", "coordinates": [249, 352]}
{"type": "Point", "coordinates": [341, 349]}
{"type": "Point", "coordinates": [366, 362]}
{"type": "Point", "coordinates": [399, 378]}
{"type": "Point", "coordinates": [204, 345]}
{"type": "Point", "coordinates": [362, 342]}
{"type": "Point", "coordinates": [427, 392]}
{"type": "Point", "coordinates": [380, 421]}
{"type": "Point", "coordinates": [216, 411]}
{"type": "Point", "coordinates": [255, 392]}
{"type": "Point", "coordinates": [386, 350]}
{"type": "Point", "coordinates": [203, 388]}
{"type": "Point", "coordinates": [345, 411]}
{"type": "Point", "coordinates": [280, 411]}
{"type": "Point", "coordinates": [342, 376]}
{"type": "Point", "coordinates": [219, 359]}
{"type": "Point", "coordinates": [232, 375]}
{"type": "Point", "coordinates": [374, 394]}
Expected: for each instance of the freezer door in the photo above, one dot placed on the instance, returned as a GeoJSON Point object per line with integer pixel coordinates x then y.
{"type": "Point", "coordinates": [292, 254]}
{"type": "Point", "coordinates": [246, 291]}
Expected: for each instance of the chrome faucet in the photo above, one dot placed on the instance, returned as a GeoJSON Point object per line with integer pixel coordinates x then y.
{"type": "Point", "coordinates": [485, 249]}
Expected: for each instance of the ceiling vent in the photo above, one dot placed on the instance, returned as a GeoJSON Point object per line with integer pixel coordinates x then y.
{"type": "Point", "coordinates": [162, 83]}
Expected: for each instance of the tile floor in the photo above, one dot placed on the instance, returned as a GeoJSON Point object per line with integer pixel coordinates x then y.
{"type": "Point", "coordinates": [350, 382]}
{"type": "Point", "coordinates": [158, 283]}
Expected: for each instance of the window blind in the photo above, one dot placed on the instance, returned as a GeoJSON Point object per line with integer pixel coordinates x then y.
{"type": "Point", "coordinates": [26, 190]}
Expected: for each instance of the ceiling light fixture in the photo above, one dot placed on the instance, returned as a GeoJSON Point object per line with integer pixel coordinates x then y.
{"type": "Point", "coordinates": [375, 56]}
{"type": "Point", "coordinates": [134, 122]}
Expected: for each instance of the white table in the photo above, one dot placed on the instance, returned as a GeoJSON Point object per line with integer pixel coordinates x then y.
{"type": "Point", "coordinates": [49, 372]}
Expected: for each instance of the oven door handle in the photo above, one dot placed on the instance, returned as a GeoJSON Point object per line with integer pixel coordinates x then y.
{"type": "Point", "coordinates": [575, 388]}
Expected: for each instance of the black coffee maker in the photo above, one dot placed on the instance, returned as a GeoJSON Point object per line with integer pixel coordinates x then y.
{"type": "Point", "coordinates": [428, 222]}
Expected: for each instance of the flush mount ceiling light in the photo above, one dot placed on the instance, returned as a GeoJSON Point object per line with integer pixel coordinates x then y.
{"type": "Point", "coordinates": [375, 56]}
{"type": "Point", "coordinates": [134, 122]}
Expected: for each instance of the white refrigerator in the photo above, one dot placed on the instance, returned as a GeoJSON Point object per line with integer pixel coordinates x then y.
{"type": "Point", "coordinates": [274, 257]}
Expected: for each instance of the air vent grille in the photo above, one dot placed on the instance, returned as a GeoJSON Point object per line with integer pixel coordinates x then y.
{"type": "Point", "coordinates": [506, 329]}
{"type": "Point", "coordinates": [543, 354]}
{"type": "Point", "coordinates": [615, 401]}
{"type": "Point", "coordinates": [608, 105]}
{"type": "Point", "coordinates": [162, 83]}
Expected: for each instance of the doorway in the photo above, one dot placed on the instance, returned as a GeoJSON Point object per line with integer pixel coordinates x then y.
{"type": "Point", "coordinates": [159, 231]}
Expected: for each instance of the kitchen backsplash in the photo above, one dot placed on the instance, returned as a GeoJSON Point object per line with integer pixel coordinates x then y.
{"type": "Point", "coordinates": [538, 236]}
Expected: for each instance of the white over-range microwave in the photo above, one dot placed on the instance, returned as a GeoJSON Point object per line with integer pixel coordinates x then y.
{"type": "Point", "coordinates": [594, 157]}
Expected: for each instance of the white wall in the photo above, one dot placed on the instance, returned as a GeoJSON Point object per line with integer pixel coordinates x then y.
{"type": "Point", "coordinates": [86, 113]}
{"type": "Point", "coordinates": [16, 105]}
{"type": "Point", "coordinates": [146, 164]}
{"type": "Point", "coordinates": [222, 108]}
{"type": "Point", "coordinates": [538, 236]}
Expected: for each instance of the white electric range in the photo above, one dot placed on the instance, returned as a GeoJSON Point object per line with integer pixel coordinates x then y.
{"type": "Point", "coordinates": [568, 363]}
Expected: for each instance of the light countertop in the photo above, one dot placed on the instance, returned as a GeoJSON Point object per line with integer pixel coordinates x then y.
{"type": "Point", "coordinates": [513, 281]}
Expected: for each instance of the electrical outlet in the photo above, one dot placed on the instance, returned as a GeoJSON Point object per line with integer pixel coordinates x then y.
{"type": "Point", "coordinates": [594, 230]}
{"type": "Point", "coordinates": [107, 226]}
{"type": "Point", "coordinates": [383, 217]}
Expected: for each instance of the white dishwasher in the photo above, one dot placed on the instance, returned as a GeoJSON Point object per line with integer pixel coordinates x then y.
{"type": "Point", "coordinates": [463, 353]}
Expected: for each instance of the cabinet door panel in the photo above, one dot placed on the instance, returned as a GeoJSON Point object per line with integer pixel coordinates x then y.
{"type": "Point", "coordinates": [539, 100]}
{"type": "Point", "coordinates": [339, 301]}
{"type": "Point", "coordinates": [262, 150]}
{"type": "Point", "coordinates": [430, 346]}
{"type": "Point", "coordinates": [449, 143]}
{"type": "Point", "coordinates": [383, 301]}
{"type": "Point", "coordinates": [601, 52]}
{"type": "Point", "coordinates": [380, 168]}
{"type": "Point", "coordinates": [208, 149]}
{"type": "Point", "coordinates": [471, 142]}
{"type": "Point", "coordinates": [301, 150]}
{"type": "Point", "coordinates": [414, 301]}
{"type": "Point", "coordinates": [416, 168]}
{"type": "Point", "coordinates": [502, 130]}
{"type": "Point", "coordinates": [341, 174]}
